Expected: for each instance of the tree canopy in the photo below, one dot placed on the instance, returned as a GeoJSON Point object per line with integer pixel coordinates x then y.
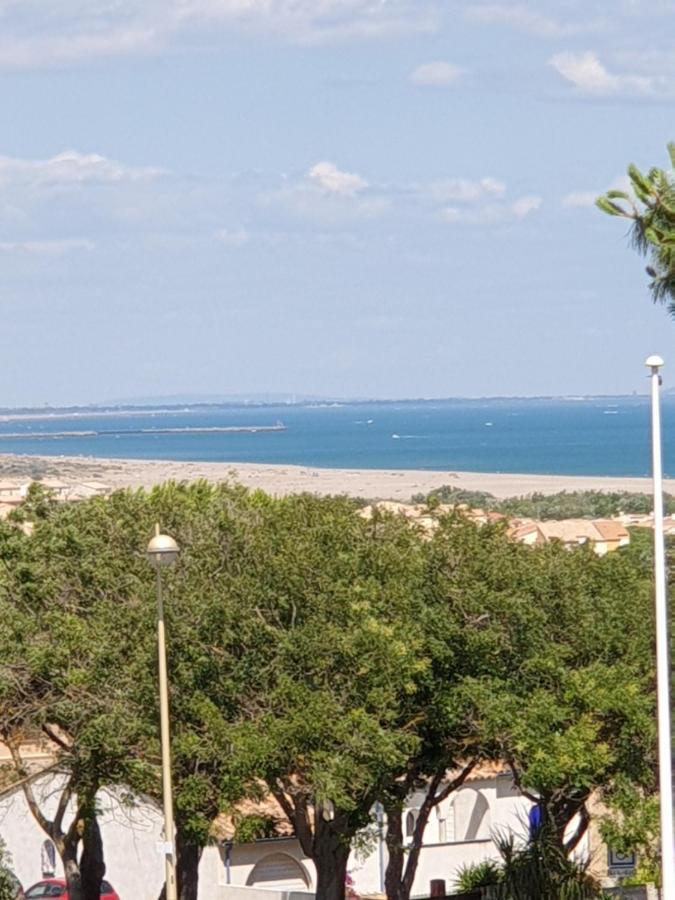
{"type": "Point", "coordinates": [560, 505]}
{"type": "Point", "coordinates": [318, 656]}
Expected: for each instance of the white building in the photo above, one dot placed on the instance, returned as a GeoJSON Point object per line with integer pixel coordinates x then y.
{"type": "Point", "coordinates": [459, 832]}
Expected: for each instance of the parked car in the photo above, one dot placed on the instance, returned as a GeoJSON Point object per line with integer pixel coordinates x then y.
{"type": "Point", "coordinates": [57, 887]}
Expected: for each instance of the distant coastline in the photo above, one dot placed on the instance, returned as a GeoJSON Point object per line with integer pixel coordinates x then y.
{"type": "Point", "coordinates": [8, 414]}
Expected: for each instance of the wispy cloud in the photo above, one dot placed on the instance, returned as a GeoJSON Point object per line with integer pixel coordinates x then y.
{"type": "Point", "coordinates": [491, 213]}
{"type": "Point", "coordinates": [465, 190]}
{"type": "Point", "coordinates": [313, 20]}
{"type": "Point", "coordinates": [76, 32]}
{"type": "Point", "coordinates": [70, 167]}
{"type": "Point", "coordinates": [435, 74]}
{"type": "Point", "coordinates": [47, 51]}
{"type": "Point", "coordinates": [584, 199]}
{"type": "Point", "coordinates": [233, 237]}
{"type": "Point", "coordinates": [47, 247]}
{"type": "Point", "coordinates": [526, 18]}
{"type": "Point", "coordinates": [579, 199]}
{"type": "Point", "coordinates": [589, 76]}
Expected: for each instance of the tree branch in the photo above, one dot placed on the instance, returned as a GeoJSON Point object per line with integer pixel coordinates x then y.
{"type": "Point", "coordinates": [518, 782]}
{"type": "Point", "coordinates": [27, 787]}
{"type": "Point", "coordinates": [456, 783]}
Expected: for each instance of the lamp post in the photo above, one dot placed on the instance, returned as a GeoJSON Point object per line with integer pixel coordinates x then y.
{"type": "Point", "coordinates": [662, 649]}
{"type": "Point", "coordinates": [162, 551]}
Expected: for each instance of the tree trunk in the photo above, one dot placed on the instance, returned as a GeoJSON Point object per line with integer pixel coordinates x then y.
{"type": "Point", "coordinates": [188, 854]}
{"type": "Point", "coordinates": [92, 864]}
{"type": "Point", "coordinates": [393, 878]}
{"type": "Point", "coordinates": [71, 867]}
{"type": "Point", "coordinates": [331, 852]}
{"type": "Point", "coordinates": [403, 860]}
{"type": "Point", "coordinates": [559, 811]}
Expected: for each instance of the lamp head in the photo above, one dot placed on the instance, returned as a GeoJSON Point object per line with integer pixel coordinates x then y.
{"type": "Point", "coordinates": [654, 362]}
{"type": "Point", "coordinates": [162, 549]}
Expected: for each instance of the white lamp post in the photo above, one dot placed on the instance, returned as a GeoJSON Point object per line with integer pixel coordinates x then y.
{"type": "Point", "coordinates": [162, 551]}
{"type": "Point", "coordinates": [662, 649]}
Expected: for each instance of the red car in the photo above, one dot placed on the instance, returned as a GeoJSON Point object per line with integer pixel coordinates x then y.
{"type": "Point", "coordinates": [57, 887]}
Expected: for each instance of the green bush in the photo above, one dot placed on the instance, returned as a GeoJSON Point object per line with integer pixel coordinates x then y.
{"type": "Point", "coordinates": [478, 875]}
{"type": "Point", "coordinates": [8, 882]}
{"type": "Point", "coordinates": [542, 871]}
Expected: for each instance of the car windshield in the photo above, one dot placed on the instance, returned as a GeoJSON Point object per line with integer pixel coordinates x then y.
{"type": "Point", "coordinates": [45, 890]}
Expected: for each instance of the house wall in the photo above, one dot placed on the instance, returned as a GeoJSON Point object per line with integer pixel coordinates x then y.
{"type": "Point", "coordinates": [213, 870]}
{"type": "Point", "coordinates": [130, 835]}
{"type": "Point", "coordinates": [458, 833]}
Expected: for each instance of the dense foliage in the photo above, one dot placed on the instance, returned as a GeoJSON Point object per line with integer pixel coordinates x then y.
{"type": "Point", "coordinates": [319, 657]}
{"type": "Point", "coordinates": [562, 505]}
{"type": "Point", "coordinates": [650, 207]}
{"type": "Point", "coordinates": [8, 883]}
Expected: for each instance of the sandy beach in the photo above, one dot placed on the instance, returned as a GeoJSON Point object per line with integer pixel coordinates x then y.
{"type": "Point", "coordinates": [394, 484]}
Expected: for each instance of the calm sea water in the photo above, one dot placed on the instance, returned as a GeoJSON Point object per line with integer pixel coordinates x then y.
{"type": "Point", "coordinates": [576, 437]}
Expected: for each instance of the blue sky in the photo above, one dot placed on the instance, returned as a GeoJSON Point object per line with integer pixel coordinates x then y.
{"type": "Point", "coordinates": [384, 198]}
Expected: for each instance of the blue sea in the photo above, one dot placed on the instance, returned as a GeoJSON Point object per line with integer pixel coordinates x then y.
{"type": "Point", "coordinates": [598, 436]}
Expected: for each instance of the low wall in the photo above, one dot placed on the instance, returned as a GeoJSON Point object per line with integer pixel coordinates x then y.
{"type": "Point", "coordinates": [643, 892]}
{"type": "Point", "coordinates": [236, 892]}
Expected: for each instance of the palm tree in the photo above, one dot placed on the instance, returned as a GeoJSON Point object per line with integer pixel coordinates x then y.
{"type": "Point", "coordinates": [651, 208]}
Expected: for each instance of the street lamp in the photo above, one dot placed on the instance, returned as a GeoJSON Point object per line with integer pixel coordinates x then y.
{"type": "Point", "coordinates": [662, 650]}
{"type": "Point", "coordinates": [162, 551]}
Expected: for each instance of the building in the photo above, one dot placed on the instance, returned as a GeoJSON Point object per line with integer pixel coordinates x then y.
{"type": "Point", "coordinates": [603, 535]}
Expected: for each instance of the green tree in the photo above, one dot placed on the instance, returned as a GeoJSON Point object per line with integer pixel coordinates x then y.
{"type": "Point", "coordinates": [341, 598]}
{"type": "Point", "coordinates": [63, 675]}
{"type": "Point", "coordinates": [470, 574]}
{"type": "Point", "coordinates": [651, 211]}
{"type": "Point", "coordinates": [577, 718]}
{"type": "Point", "coordinates": [8, 882]}
{"type": "Point", "coordinates": [86, 660]}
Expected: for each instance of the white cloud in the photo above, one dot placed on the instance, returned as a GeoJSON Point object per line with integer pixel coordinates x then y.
{"type": "Point", "coordinates": [326, 195]}
{"type": "Point", "coordinates": [233, 238]}
{"type": "Point", "coordinates": [47, 247]}
{"type": "Point", "coordinates": [46, 51]}
{"type": "Point", "coordinates": [586, 199]}
{"type": "Point", "coordinates": [464, 190]}
{"type": "Point", "coordinates": [435, 74]}
{"type": "Point", "coordinates": [589, 76]}
{"type": "Point", "coordinates": [490, 210]}
{"type": "Point", "coordinates": [579, 199]}
{"type": "Point", "coordinates": [523, 206]}
{"type": "Point", "coordinates": [313, 20]}
{"type": "Point", "coordinates": [334, 181]}
{"type": "Point", "coordinates": [70, 167]}
{"type": "Point", "coordinates": [527, 19]}
{"type": "Point", "coordinates": [75, 31]}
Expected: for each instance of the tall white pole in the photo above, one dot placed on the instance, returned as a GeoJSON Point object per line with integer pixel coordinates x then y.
{"type": "Point", "coordinates": [162, 551]}
{"type": "Point", "coordinates": [662, 648]}
{"type": "Point", "coordinates": [169, 854]}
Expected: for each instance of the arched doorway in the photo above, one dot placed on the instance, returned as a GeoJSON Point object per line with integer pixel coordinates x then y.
{"type": "Point", "coordinates": [278, 871]}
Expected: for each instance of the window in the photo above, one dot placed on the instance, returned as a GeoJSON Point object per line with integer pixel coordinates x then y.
{"type": "Point", "coordinates": [410, 825]}
{"type": "Point", "coordinates": [48, 859]}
